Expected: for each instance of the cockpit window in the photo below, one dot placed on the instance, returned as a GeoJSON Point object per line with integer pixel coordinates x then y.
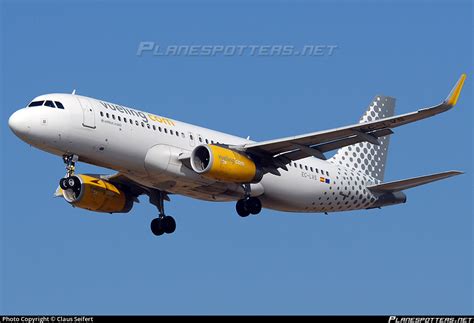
{"type": "Point", "coordinates": [49, 104]}
{"type": "Point", "coordinates": [36, 103]}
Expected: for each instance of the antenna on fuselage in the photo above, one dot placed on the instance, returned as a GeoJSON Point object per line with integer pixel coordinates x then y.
{"type": "Point", "coordinates": [73, 92]}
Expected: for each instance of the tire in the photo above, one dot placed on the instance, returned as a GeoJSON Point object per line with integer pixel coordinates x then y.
{"type": "Point", "coordinates": [241, 208]}
{"type": "Point", "coordinates": [63, 183]}
{"type": "Point", "coordinates": [254, 205]}
{"type": "Point", "coordinates": [74, 182]}
{"type": "Point", "coordinates": [169, 224]}
{"type": "Point", "coordinates": [156, 227]}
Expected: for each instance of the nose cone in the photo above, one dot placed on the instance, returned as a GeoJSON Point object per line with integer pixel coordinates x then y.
{"type": "Point", "coordinates": [18, 123]}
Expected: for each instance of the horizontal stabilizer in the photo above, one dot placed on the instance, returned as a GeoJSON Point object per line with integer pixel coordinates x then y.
{"type": "Point", "coordinates": [404, 184]}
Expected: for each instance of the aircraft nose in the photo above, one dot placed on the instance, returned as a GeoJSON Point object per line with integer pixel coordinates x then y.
{"type": "Point", "coordinates": [18, 123]}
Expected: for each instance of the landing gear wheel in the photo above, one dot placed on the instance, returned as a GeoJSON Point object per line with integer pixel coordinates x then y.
{"type": "Point", "coordinates": [164, 223]}
{"type": "Point", "coordinates": [63, 183]}
{"type": "Point", "coordinates": [241, 208]}
{"type": "Point", "coordinates": [254, 205]}
{"type": "Point", "coordinates": [156, 227]}
{"type": "Point", "coordinates": [169, 224]}
{"type": "Point", "coordinates": [73, 182]}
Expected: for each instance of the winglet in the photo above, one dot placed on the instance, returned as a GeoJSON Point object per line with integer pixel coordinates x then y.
{"type": "Point", "coordinates": [454, 95]}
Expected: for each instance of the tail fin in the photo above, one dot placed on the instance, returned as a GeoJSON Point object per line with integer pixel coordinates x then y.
{"type": "Point", "coordinates": [365, 157]}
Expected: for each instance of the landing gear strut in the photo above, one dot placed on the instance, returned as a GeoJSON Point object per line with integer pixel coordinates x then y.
{"type": "Point", "coordinates": [163, 223]}
{"type": "Point", "coordinates": [70, 161]}
{"type": "Point", "coordinates": [248, 205]}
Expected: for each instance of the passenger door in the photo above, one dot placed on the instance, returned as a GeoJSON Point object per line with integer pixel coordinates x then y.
{"type": "Point", "coordinates": [88, 119]}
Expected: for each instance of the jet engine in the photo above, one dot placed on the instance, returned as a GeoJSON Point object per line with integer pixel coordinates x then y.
{"type": "Point", "coordinates": [95, 194]}
{"type": "Point", "coordinates": [223, 164]}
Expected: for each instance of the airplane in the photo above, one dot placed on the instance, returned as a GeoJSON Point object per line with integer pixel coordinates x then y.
{"type": "Point", "coordinates": [158, 156]}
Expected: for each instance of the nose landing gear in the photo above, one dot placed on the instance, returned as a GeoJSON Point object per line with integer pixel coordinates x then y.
{"type": "Point", "coordinates": [163, 223]}
{"type": "Point", "coordinates": [70, 181]}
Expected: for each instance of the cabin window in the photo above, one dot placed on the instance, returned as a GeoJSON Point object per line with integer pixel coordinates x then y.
{"type": "Point", "coordinates": [136, 122]}
{"type": "Point", "coordinates": [119, 119]}
{"type": "Point", "coordinates": [101, 114]}
{"type": "Point", "coordinates": [107, 115]}
{"type": "Point", "coordinates": [166, 130]}
{"type": "Point", "coordinates": [171, 132]}
{"type": "Point", "coordinates": [148, 125]}
{"type": "Point", "coordinates": [311, 168]}
{"type": "Point", "coordinates": [154, 127]}
{"type": "Point", "coordinates": [113, 116]}
{"type": "Point", "coordinates": [159, 128]}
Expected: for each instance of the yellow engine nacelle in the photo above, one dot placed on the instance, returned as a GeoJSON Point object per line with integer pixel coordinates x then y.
{"type": "Point", "coordinates": [95, 194]}
{"type": "Point", "coordinates": [224, 165]}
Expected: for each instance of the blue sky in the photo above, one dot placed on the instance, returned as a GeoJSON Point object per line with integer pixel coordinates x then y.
{"type": "Point", "coordinates": [411, 258]}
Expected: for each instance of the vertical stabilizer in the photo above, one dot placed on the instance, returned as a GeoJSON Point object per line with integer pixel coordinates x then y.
{"type": "Point", "coordinates": [365, 157]}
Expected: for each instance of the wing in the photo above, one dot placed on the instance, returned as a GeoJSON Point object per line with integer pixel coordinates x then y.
{"type": "Point", "coordinates": [126, 183]}
{"type": "Point", "coordinates": [277, 153]}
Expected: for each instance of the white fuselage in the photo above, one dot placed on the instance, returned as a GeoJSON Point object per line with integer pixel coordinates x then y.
{"type": "Point", "coordinates": [146, 148]}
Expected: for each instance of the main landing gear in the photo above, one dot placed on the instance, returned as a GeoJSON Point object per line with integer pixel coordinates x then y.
{"type": "Point", "coordinates": [248, 205]}
{"type": "Point", "coordinates": [163, 223]}
{"type": "Point", "coordinates": [70, 181]}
